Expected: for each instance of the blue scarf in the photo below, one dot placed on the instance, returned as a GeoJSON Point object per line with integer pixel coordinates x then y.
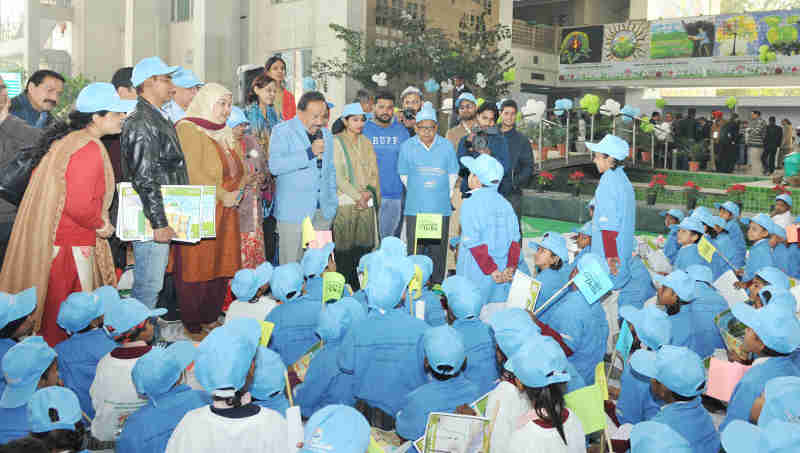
{"type": "Point", "coordinates": [258, 124]}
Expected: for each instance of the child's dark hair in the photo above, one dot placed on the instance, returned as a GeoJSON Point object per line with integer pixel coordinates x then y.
{"type": "Point", "coordinates": [548, 402]}
{"type": "Point", "coordinates": [62, 439]}
{"type": "Point", "coordinates": [711, 232]}
{"type": "Point", "coordinates": [699, 236]}
{"type": "Point", "coordinates": [25, 445]}
{"type": "Point", "coordinates": [235, 400]}
{"type": "Point", "coordinates": [767, 352]}
{"type": "Point", "coordinates": [676, 308]}
{"type": "Point", "coordinates": [558, 264]}
{"type": "Point", "coordinates": [446, 368]}
{"type": "Point", "coordinates": [60, 129]}
{"type": "Point", "coordinates": [132, 334]}
{"type": "Point", "coordinates": [10, 328]}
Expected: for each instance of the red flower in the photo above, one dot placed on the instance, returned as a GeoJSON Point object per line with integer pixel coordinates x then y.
{"type": "Point", "coordinates": [692, 185]}
{"type": "Point", "coordinates": [577, 175]}
{"type": "Point", "coordinates": [652, 184]}
{"type": "Point", "coordinates": [736, 188]}
{"type": "Point", "coordinates": [546, 175]}
{"type": "Point", "coordinates": [780, 188]}
{"type": "Point", "coordinates": [778, 71]}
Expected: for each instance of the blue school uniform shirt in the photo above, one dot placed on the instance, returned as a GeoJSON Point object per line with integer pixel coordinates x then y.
{"type": "Point", "coordinates": [487, 219]}
{"type": "Point", "coordinates": [277, 403]}
{"type": "Point", "coordinates": [794, 260]}
{"type": "Point", "coordinates": [724, 244]}
{"type": "Point", "coordinates": [5, 345]}
{"type": "Point", "coordinates": [682, 328]}
{"type": "Point", "coordinates": [295, 322]}
{"type": "Point", "coordinates": [640, 287]}
{"type": "Point", "coordinates": [584, 328]}
{"type": "Point", "coordinates": [752, 384]}
{"type": "Point", "coordinates": [551, 281]}
{"type": "Point", "coordinates": [435, 396]}
{"type": "Point", "coordinates": [760, 257]}
{"type": "Point", "coordinates": [382, 353]}
{"type": "Point", "coordinates": [428, 171]}
{"type": "Point", "coordinates": [149, 428]}
{"type": "Point", "coordinates": [78, 357]}
{"type": "Point", "coordinates": [325, 383]}
{"type": "Point", "coordinates": [781, 256]}
{"type": "Point", "coordinates": [480, 346]}
{"type": "Point", "coordinates": [636, 403]}
{"type": "Point", "coordinates": [671, 245]}
{"type": "Point", "coordinates": [738, 250]}
{"type": "Point", "coordinates": [386, 142]}
{"type": "Point", "coordinates": [14, 423]}
{"type": "Point", "coordinates": [314, 288]}
{"type": "Point", "coordinates": [707, 304]}
{"type": "Point", "coordinates": [615, 210]}
{"type": "Point", "coordinates": [688, 256]}
{"type": "Point", "coordinates": [692, 421]}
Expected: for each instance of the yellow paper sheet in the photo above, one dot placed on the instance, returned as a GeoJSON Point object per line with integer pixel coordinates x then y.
{"type": "Point", "coordinates": [706, 249]}
{"type": "Point", "coordinates": [266, 332]}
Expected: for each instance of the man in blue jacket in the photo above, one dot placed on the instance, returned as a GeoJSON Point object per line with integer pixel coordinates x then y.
{"type": "Point", "coordinates": [520, 156]}
{"type": "Point", "coordinates": [301, 159]}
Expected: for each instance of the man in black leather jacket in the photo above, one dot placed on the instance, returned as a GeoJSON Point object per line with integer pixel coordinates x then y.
{"type": "Point", "coordinates": [152, 157]}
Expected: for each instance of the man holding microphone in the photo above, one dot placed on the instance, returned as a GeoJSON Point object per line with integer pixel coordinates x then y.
{"type": "Point", "coordinates": [301, 159]}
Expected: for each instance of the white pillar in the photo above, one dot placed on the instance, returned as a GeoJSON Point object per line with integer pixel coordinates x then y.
{"type": "Point", "coordinates": [33, 45]}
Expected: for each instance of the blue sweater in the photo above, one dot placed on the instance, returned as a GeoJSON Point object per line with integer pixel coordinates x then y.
{"type": "Point", "coordinates": [78, 357]}
{"type": "Point", "coordinates": [386, 142]}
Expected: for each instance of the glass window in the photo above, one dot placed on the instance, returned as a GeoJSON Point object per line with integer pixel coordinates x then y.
{"type": "Point", "coordinates": [182, 10]}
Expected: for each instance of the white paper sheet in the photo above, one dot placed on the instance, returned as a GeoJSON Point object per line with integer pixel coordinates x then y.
{"type": "Point", "coordinates": [724, 285]}
{"type": "Point", "coordinates": [295, 428]}
{"type": "Point", "coordinates": [524, 291]}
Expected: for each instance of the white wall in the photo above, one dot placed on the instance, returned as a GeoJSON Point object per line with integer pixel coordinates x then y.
{"type": "Point", "coordinates": [98, 38]}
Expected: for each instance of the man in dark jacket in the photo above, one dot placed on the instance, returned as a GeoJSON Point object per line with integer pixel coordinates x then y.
{"type": "Point", "coordinates": [729, 144]}
{"type": "Point", "coordinates": [772, 141]}
{"type": "Point", "coordinates": [519, 153]}
{"type": "Point", "coordinates": [40, 97]}
{"type": "Point", "coordinates": [152, 157]}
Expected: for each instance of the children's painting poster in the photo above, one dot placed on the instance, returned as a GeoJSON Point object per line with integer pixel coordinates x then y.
{"type": "Point", "coordinates": [627, 41]}
{"type": "Point", "coordinates": [682, 38]}
{"type": "Point", "coordinates": [581, 45]}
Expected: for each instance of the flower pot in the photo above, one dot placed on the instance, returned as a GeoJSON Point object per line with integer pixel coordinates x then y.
{"type": "Point", "coordinates": [694, 165]}
{"type": "Point", "coordinates": [645, 156]}
{"type": "Point", "coordinates": [651, 199]}
{"type": "Point", "coordinates": [691, 202]}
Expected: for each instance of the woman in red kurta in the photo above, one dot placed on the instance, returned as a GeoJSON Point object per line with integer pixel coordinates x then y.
{"type": "Point", "coordinates": [275, 67]}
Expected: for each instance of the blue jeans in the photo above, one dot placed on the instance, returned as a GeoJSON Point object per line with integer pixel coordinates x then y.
{"type": "Point", "coordinates": [389, 217]}
{"type": "Point", "coordinates": [148, 273]}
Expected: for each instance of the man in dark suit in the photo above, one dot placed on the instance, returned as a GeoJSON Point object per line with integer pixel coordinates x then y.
{"type": "Point", "coordinates": [459, 87]}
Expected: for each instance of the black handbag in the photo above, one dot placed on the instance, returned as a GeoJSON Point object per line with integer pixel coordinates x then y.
{"type": "Point", "coordinates": [15, 175]}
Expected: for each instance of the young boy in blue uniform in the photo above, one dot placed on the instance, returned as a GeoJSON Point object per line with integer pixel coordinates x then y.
{"type": "Point", "coordinates": [249, 286]}
{"type": "Point", "coordinates": [314, 263]}
{"type": "Point", "coordinates": [325, 383]}
{"type": "Point", "coordinates": [268, 384]}
{"type": "Point", "coordinates": [55, 417]}
{"type": "Point", "coordinates": [760, 256]}
{"type": "Point", "coordinates": [81, 316]}
{"type": "Point", "coordinates": [583, 240]}
{"type": "Point", "coordinates": [781, 255]}
{"type": "Point", "coordinates": [15, 321]}
{"type": "Point", "coordinates": [551, 260]}
{"type": "Point", "coordinates": [296, 318]}
{"type": "Point", "coordinates": [672, 218]}
{"type": "Point", "coordinates": [772, 335]}
{"type": "Point", "coordinates": [676, 291]}
{"type": "Point", "coordinates": [434, 312]}
{"type": "Point", "coordinates": [381, 352]}
{"type": "Point", "coordinates": [776, 437]}
{"type": "Point", "coordinates": [767, 276]}
{"type": "Point", "coordinates": [690, 231]}
{"type": "Point", "coordinates": [729, 212]}
{"type": "Point", "coordinates": [490, 238]}
{"type": "Point", "coordinates": [678, 378]}
{"type": "Point", "coordinates": [463, 308]}
{"type": "Point", "coordinates": [446, 360]}
{"type": "Point", "coordinates": [157, 376]}
{"type": "Point", "coordinates": [705, 306]}
{"type": "Point", "coordinates": [650, 328]}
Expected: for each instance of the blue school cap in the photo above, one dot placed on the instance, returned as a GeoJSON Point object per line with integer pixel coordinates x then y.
{"type": "Point", "coordinates": [555, 243]}
{"type": "Point", "coordinates": [778, 296]}
{"type": "Point", "coordinates": [729, 206]}
{"type": "Point", "coordinates": [774, 277]}
{"type": "Point", "coordinates": [269, 376]}
{"type": "Point", "coordinates": [781, 400]}
{"type": "Point", "coordinates": [612, 146]}
{"type": "Point", "coordinates": [315, 260]}
{"type": "Point", "coordinates": [700, 273]}
{"type": "Point", "coordinates": [100, 96]}
{"type": "Point", "coordinates": [80, 309]}
{"type": "Point", "coordinates": [127, 314]}
{"type": "Point", "coordinates": [585, 229]}
{"type": "Point", "coordinates": [511, 328]}
{"type": "Point", "coordinates": [16, 306]}
{"type": "Point", "coordinates": [336, 429]}
{"type": "Point", "coordinates": [654, 437]}
{"type": "Point", "coordinates": [652, 325]}
{"type": "Point", "coordinates": [393, 246]}
{"type": "Point", "coordinates": [366, 261]}
{"type": "Point", "coordinates": [427, 113]}
{"type": "Point", "coordinates": [287, 278]}
{"type": "Point", "coordinates": [335, 320]}
{"type": "Point", "coordinates": [156, 372]}
{"type": "Point", "coordinates": [405, 267]}
{"type": "Point", "coordinates": [761, 219]}
{"type": "Point", "coordinates": [247, 282]}
{"type": "Point", "coordinates": [236, 117]}
{"type": "Point", "coordinates": [223, 361]}
{"type": "Point", "coordinates": [466, 97]}
{"type": "Point", "coordinates": [463, 297]}
{"type": "Point", "coordinates": [775, 324]}
{"type": "Point", "coordinates": [776, 437]}
{"type": "Point", "coordinates": [248, 328]}
{"type": "Point", "coordinates": [444, 347]}
{"type": "Point", "coordinates": [677, 213]}
{"type": "Point", "coordinates": [692, 224]}
{"type": "Point", "coordinates": [679, 368]}
{"type": "Point", "coordinates": [720, 222]}
{"type": "Point", "coordinates": [778, 230]}
{"type": "Point", "coordinates": [185, 78]}
{"type": "Point", "coordinates": [385, 287]}
{"type": "Point", "coordinates": [23, 366]}
{"type": "Point", "coordinates": [539, 362]}
{"type": "Point", "coordinates": [680, 282]}
{"type": "Point", "coordinates": [704, 216]}
{"type": "Point", "coordinates": [488, 170]}
{"type": "Point", "coordinates": [425, 264]}
{"type": "Point", "coordinates": [55, 398]}
{"type": "Point", "coordinates": [149, 67]}
{"type": "Point", "coordinates": [786, 198]}
{"type": "Point", "coordinates": [353, 109]}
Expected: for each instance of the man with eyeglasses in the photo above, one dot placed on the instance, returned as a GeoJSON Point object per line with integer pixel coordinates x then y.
{"type": "Point", "coordinates": [467, 106]}
{"type": "Point", "coordinates": [36, 104]}
{"type": "Point", "coordinates": [15, 135]}
{"type": "Point", "coordinates": [152, 157]}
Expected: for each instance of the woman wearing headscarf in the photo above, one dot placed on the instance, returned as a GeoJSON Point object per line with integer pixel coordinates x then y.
{"type": "Point", "coordinates": [275, 67]}
{"type": "Point", "coordinates": [58, 244]}
{"type": "Point", "coordinates": [212, 158]}
{"type": "Point", "coordinates": [357, 186]}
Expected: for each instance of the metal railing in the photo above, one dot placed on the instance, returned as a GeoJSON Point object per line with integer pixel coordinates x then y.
{"type": "Point", "coordinates": [536, 37]}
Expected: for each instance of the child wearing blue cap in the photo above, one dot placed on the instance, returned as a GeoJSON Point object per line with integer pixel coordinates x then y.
{"type": "Point", "coordinates": [705, 306]}
{"type": "Point", "coordinates": [130, 324]}
{"type": "Point", "coordinates": [672, 218]}
{"type": "Point", "coordinates": [158, 376]}
{"type": "Point", "coordinates": [690, 230]}
{"type": "Point", "coordinates": [772, 335]}
{"type": "Point", "coordinates": [550, 259]}
{"type": "Point", "coordinates": [446, 360]}
{"type": "Point", "coordinates": [269, 383]}
{"type": "Point", "coordinates": [336, 429]}
{"type": "Point", "coordinates": [781, 254]}
{"type": "Point", "coordinates": [675, 292]}
{"type": "Point", "coordinates": [435, 314]}
{"type": "Point", "coordinates": [316, 262]}
{"type": "Point", "coordinates": [716, 234]}
{"type": "Point", "coordinates": [29, 365]}
{"type": "Point", "coordinates": [540, 373]}
{"type": "Point", "coordinates": [490, 239]}
{"type": "Point", "coordinates": [758, 232]}
{"type": "Point", "coordinates": [324, 383]}
{"type": "Point", "coordinates": [775, 437]}
{"type": "Point", "coordinates": [767, 276]}
{"type": "Point", "coordinates": [381, 352]}
{"type": "Point", "coordinates": [780, 401]}
{"type": "Point", "coordinates": [651, 329]}
{"type": "Point", "coordinates": [250, 287]}
{"type": "Point", "coordinates": [677, 378]}
{"type": "Point", "coordinates": [782, 212]}
{"type": "Point", "coordinates": [655, 437]}
{"type": "Point", "coordinates": [55, 418]}
{"type": "Point", "coordinates": [729, 212]}
{"type": "Point", "coordinates": [296, 318]}
{"type": "Point", "coordinates": [463, 308]}
{"type": "Point", "coordinates": [640, 287]}
{"type": "Point", "coordinates": [81, 316]}
{"type": "Point", "coordinates": [15, 321]}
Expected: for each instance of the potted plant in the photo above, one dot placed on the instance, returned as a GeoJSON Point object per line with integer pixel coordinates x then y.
{"type": "Point", "coordinates": [576, 181]}
{"type": "Point", "coordinates": [545, 180]}
{"type": "Point", "coordinates": [656, 185]}
{"type": "Point", "coordinates": [736, 192]}
{"type": "Point", "coordinates": [697, 155]}
{"type": "Point", "coordinates": [692, 194]}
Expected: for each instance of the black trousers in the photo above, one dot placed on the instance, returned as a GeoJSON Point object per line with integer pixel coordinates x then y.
{"type": "Point", "coordinates": [768, 158]}
{"type": "Point", "coordinates": [435, 249]}
{"type": "Point", "coordinates": [726, 160]}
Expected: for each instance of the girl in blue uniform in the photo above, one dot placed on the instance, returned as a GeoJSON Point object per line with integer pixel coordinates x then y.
{"type": "Point", "coordinates": [672, 218]}
{"type": "Point", "coordinates": [690, 231]}
{"type": "Point", "coordinates": [780, 250]}
{"type": "Point", "coordinates": [434, 312]}
{"type": "Point", "coordinates": [676, 291]}
{"type": "Point", "coordinates": [729, 212]}
{"type": "Point", "coordinates": [758, 232]}
{"type": "Point", "coordinates": [678, 378]}
{"type": "Point", "coordinates": [705, 306]}
{"type": "Point", "coordinates": [268, 381]}
{"type": "Point", "coordinates": [55, 417]}
{"type": "Point", "coordinates": [296, 318]}
{"type": "Point", "coordinates": [550, 260]}
{"type": "Point", "coordinates": [15, 321]}
{"type": "Point", "coordinates": [583, 240]}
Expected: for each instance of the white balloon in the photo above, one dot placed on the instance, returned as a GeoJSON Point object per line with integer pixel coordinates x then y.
{"type": "Point", "coordinates": [533, 110]}
{"type": "Point", "coordinates": [610, 108]}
